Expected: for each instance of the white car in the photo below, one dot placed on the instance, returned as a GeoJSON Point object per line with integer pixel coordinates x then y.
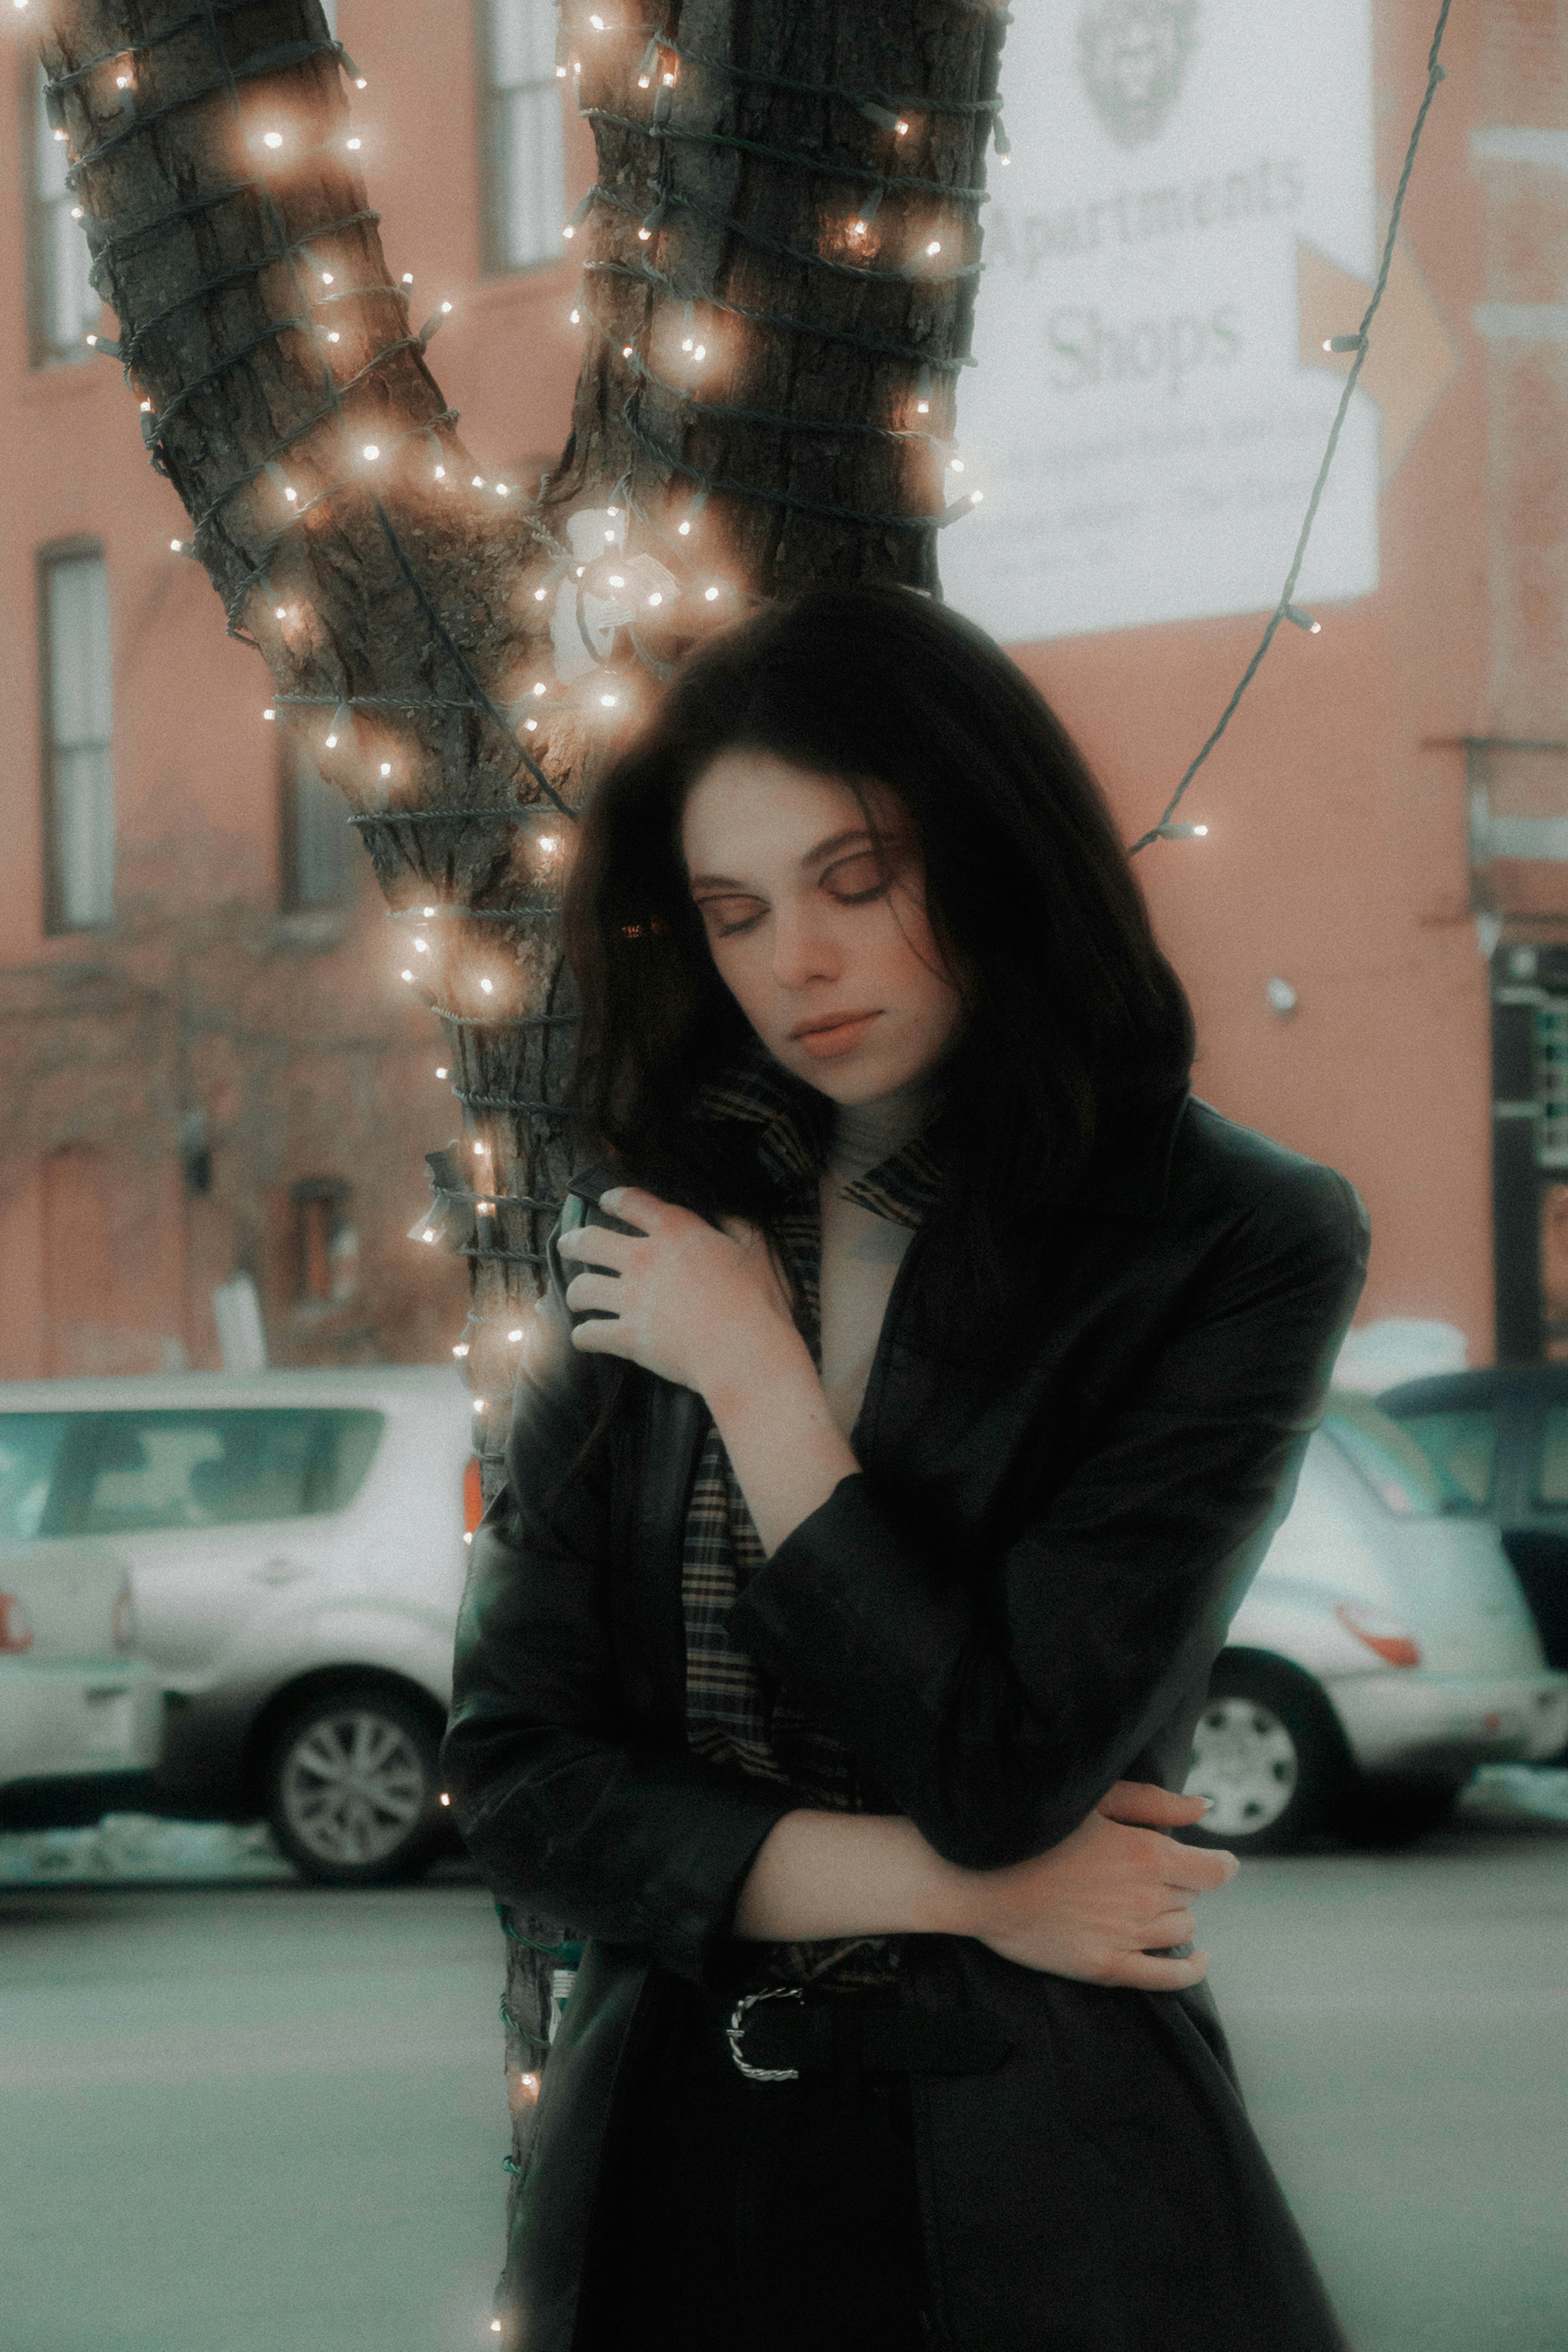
{"type": "Point", "coordinates": [1381, 1654]}
{"type": "Point", "coordinates": [81, 1716]}
{"type": "Point", "coordinates": [293, 1543]}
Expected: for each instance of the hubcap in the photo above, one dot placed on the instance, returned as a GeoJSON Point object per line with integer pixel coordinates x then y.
{"type": "Point", "coordinates": [353, 1785]}
{"type": "Point", "coordinates": [1245, 1759]}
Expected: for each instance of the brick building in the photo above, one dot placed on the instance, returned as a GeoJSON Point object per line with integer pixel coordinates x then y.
{"type": "Point", "coordinates": [208, 1066]}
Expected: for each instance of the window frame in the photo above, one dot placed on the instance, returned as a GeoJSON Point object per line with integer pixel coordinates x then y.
{"type": "Point", "coordinates": [291, 897]}
{"type": "Point", "coordinates": [47, 559]}
{"type": "Point", "coordinates": [494, 259]}
{"type": "Point", "coordinates": [42, 351]}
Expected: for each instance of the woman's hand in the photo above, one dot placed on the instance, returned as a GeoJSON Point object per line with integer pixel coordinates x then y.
{"type": "Point", "coordinates": [696, 1304]}
{"type": "Point", "coordinates": [1099, 1904]}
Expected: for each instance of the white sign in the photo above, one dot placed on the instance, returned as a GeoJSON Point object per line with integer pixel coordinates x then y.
{"type": "Point", "coordinates": [1140, 421]}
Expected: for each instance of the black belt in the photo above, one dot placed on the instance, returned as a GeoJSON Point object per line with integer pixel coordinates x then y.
{"type": "Point", "coordinates": [776, 2035]}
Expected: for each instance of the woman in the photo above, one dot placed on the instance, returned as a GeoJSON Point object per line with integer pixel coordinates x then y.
{"type": "Point", "coordinates": [920, 1380]}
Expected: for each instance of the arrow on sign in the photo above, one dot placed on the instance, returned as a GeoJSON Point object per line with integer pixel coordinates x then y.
{"type": "Point", "coordinates": [1412, 357]}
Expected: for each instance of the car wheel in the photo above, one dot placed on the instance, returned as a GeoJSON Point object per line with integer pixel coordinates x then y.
{"type": "Point", "coordinates": [1268, 1753]}
{"type": "Point", "coordinates": [1382, 1814]}
{"type": "Point", "coordinates": [352, 1794]}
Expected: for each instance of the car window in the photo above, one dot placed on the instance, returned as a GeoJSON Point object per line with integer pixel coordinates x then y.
{"type": "Point", "coordinates": [1461, 1447]}
{"type": "Point", "coordinates": [1387, 1458]}
{"type": "Point", "coordinates": [1551, 1482]}
{"type": "Point", "coordinates": [136, 1472]}
{"type": "Point", "coordinates": [29, 1450]}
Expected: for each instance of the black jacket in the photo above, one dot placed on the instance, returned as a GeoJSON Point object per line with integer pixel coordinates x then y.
{"type": "Point", "coordinates": [1015, 1604]}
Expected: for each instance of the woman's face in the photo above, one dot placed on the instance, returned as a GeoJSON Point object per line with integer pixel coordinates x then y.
{"type": "Point", "coordinates": [818, 925]}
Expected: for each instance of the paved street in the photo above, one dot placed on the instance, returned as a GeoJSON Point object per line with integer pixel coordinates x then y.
{"type": "Point", "coordinates": [270, 2120]}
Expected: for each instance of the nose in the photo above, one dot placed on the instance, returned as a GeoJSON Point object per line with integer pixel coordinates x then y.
{"type": "Point", "coordinates": [803, 947]}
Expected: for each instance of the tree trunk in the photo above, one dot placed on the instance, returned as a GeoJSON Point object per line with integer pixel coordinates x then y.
{"type": "Point", "coordinates": [779, 262]}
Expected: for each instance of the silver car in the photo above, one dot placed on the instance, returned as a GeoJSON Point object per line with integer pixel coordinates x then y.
{"type": "Point", "coordinates": [293, 1543]}
{"type": "Point", "coordinates": [81, 1715]}
{"type": "Point", "coordinates": [1381, 1654]}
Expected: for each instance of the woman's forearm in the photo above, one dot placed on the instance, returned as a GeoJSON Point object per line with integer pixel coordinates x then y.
{"type": "Point", "coordinates": [784, 1446]}
{"type": "Point", "coordinates": [824, 1875]}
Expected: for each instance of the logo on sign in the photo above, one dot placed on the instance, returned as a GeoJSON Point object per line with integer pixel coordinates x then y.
{"type": "Point", "coordinates": [1133, 56]}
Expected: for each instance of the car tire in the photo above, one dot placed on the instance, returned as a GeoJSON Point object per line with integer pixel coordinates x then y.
{"type": "Point", "coordinates": [1268, 1752]}
{"type": "Point", "coordinates": [1382, 1814]}
{"type": "Point", "coordinates": [352, 1786]}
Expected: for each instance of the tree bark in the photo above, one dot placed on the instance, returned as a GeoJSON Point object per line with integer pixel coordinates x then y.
{"type": "Point", "coordinates": [407, 613]}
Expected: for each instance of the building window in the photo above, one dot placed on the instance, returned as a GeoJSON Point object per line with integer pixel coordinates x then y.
{"type": "Point", "coordinates": [63, 304]}
{"type": "Point", "coordinates": [522, 132]}
{"type": "Point", "coordinates": [326, 1244]}
{"type": "Point", "coordinates": [78, 779]}
{"type": "Point", "coordinates": [318, 847]}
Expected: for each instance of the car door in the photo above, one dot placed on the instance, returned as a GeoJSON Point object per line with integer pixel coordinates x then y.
{"type": "Point", "coordinates": [1534, 1518]}
{"type": "Point", "coordinates": [227, 1515]}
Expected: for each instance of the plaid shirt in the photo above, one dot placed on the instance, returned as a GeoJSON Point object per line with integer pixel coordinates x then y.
{"type": "Point", "coordinates": [734, 1715]}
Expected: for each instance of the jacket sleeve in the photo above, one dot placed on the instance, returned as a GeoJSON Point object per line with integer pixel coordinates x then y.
{"type": "Point", "coordinates": [568, 1813]}
{"type": "Point", "coordinates": [997, 1712]}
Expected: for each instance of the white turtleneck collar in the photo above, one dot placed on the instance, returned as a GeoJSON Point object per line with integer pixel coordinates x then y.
{"type": "Point", "coordinates": [865, 1134]}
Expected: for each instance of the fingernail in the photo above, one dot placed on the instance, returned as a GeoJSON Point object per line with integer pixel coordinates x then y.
{"type": "Point", "coordinates": [1208, 1804]}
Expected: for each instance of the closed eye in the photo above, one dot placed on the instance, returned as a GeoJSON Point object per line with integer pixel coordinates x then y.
{"type": "Point", "coordinates": [855, 880]}
{"type": "Point", "coordinates": [727, 916]}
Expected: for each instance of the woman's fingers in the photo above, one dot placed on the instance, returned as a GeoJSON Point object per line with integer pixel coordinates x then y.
{"type": "Point", "coordinates": [1144, 1805]}
{"type": "Point", "coordinates": [635, 1207]}
{"type": "Point", "coordinates": [598, 1244]}
{"type": "Point", "coordinates": [1199, 1869]}
{"type": "Point", "coordinates": [1173, 1927]}
{"type": "Point", "coordinates": [601, 1290]}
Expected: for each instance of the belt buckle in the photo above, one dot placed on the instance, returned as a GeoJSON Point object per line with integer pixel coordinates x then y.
{"type": "Point", "coordinates": [734, 2031]}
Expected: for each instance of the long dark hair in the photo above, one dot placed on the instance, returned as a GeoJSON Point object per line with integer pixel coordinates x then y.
{"type": "Point", "coordinates": [1075, 1017]}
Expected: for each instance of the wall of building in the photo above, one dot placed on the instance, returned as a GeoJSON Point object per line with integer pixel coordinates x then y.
{"type": "Point", "coordinates": [1337, 803]}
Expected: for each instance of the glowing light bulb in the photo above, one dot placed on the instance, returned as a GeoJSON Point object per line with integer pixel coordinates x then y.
{"type": "Point", "coordinates": [608, 700]}
{"type": "Point", "coordinates": [291, 495]}
{"type": "Point", "coordinates": [445, 307]}
{"type": "Point", "coordinates": [427, 1235]}
{"type": "Point", "coordinates": [975, 497]}
{"type": "Point", "coordinates": [657, 598]}
{"type": "Point", "coordinates": [478, 481]}
{"type": "Point", "coordinates": [580, 570]}
{"type": "Point", "coordinates": [386, 767]}
{"type": "Point", "coordinates": [122, 82]}
{"type": "Point", "coordinates": [147, 408]}
{"type": "Point", "coordinates": [430, 914]}
{"type": "Point", "coordinates": [478, 1152]}
{"type": "Point", "coordinates": [59, 135]}
{"type": "Point", "coordinates": [353, 145]}
{"type": "Point", "coordinates": [686, 344]}
{"type": "Point", "coordinates": [488, 986]}
{"type": "Point", "coordinates": [272, 139]}
{"type": "Point", "coordinates": [899, 129]}
{"type": "Point", "coordinates": [513, 1335]}
{"type": "Point", "coordinates": [331, 743]}
{"type": "Point", "coordinates": [923, 408]}
{"type": "Point", "coordinates": [278, 611]}
{"type": "Point", "coordinates": [569, 230]}
{"type": "Point", "coordinates": [700, 352]}
{"type": "Point", "coordinates": [75, 212]}
{"type": "Point", "coordinates": [577, 318]}
{"type": "Point", "coordinates": [561, 73]}
{"type": "Point", "coordinates": [643, 80]}
{"type": "Point", "coordinates": [372, 450]}
{"type": "Point", "coordinates": [530, 726]}
{"type": "Point", "coordinates": [643, 234]}
{"type": "Point", "coordinates": [610, 535]}
{"type": "Point", "coordinates": [503, 490]}
{"type": "Point", "coordinates": [597, 23]}
{"type": "Point", "coordinates": [332, 335]}
{"type": "Point", "coordinates": [683, 529]}
{"type": "Point", "coordinates": [669, 81]}
{"type": "Point", "coordinates": [617, 580]}
{"type": "Point", "coordinates": [625, 350]}
{"type": "Point", "coordinates": [711, 595]}
{"type": "Point", "coordinates": [407, 278]}
{"type": "Point", "coordinates": [359, 82]}
{"type": "Point", "coordinates": [957, 464]}
{"type": "Point", "coordinates": [547, 841]}
{"type": "Point", "coordinates": [326, 277]}
{"type": "Point", "coordinates": [422, 946]}
{"type": "Point", "coordinates": [269, 714]}
{"type": "Point", "coordinates": [857, 229]}
{"type": "Point", "coordinates": [935, 245]}
{"type": "Point", "coordinates": [538, 688]}
{"type": "Point", "coordinates": [461, 1348]}
{"type": "Point", "coordinates": [408, 975]}
{"type": "Point", "coordinates": [177, 547]}
{"type": "Point", "coordinates": [539, 594]}
{"type": "Point", "coordinates": [1201, 830]}
{"type": "Point", "coordinates": [441, 1069]}
{"type": "Point", "coordinates": [440, 473]}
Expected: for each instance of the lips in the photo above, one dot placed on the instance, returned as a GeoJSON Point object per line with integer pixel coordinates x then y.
{"type": "Point", "coordinates": [834, 1032]}
{"type": "Point", "coordinates": [826, 1022]}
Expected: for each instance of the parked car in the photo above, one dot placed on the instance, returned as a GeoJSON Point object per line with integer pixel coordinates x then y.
{"type": "Point", "coordinates": [293, 1544]}
{"type": "Point", "coordinates": [81, 1716]}
{"type": "Point", "coordinates": [1498, 1441]}
{"type": "Point", "coordinates": [1383, 1651]}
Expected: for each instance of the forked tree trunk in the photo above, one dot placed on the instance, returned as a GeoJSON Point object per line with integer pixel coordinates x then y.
{"type": "Point", "coordinates": [759, 315]}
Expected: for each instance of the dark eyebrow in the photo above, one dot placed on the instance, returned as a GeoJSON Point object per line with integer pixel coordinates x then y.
{"type": "Point", "coordinates": [817, 857]}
